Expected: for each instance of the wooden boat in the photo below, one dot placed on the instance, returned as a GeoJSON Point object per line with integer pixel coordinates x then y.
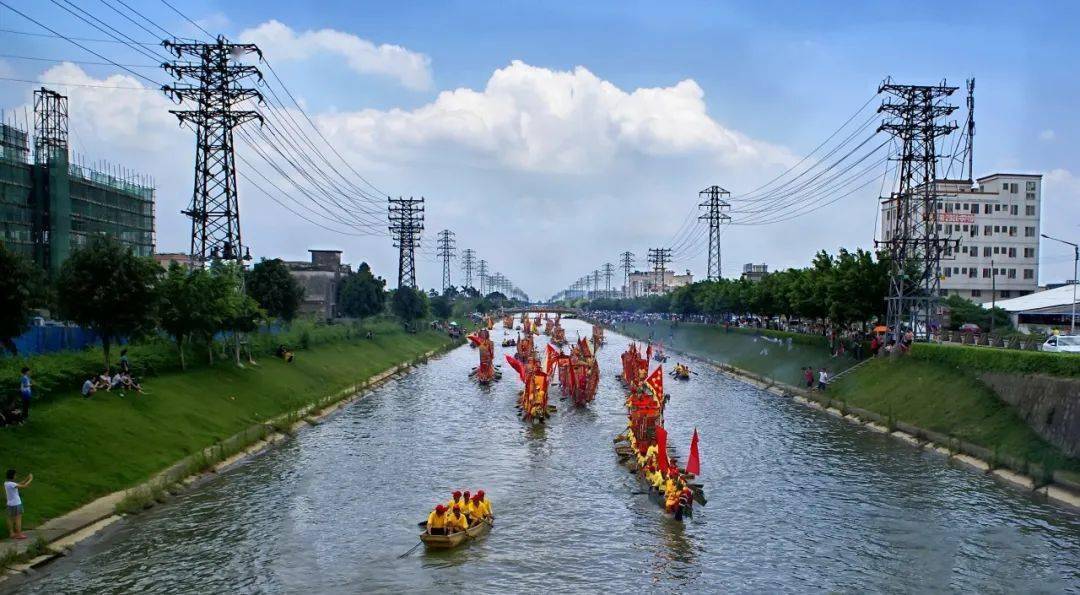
{"type": "Point", "coordinates": [445, 542]}
{"type": "Point", "coordinates": [681, 373]}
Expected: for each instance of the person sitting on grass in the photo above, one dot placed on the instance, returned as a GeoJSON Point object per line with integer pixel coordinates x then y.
{"type": "Point", "coordinates": [284, 353]}
{"type": "Point", "coordinates": [14, 503]}
{"type": "Point", "coordinates": [104, 381]}
{"type": "Point", "coordinates": [130, 383]}
{"type": "Point", "coordinates": [89, 387]}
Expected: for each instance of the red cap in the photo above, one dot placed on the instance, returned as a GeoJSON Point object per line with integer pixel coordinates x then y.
{"type": "Point", "coordinates": [480, 493]}
{"type": "Point", "coordinates": [476, 498]}
{"type": "Point", "coordinates": [457, 508]}
{"type": "Point", "coordinates": [457, 495]}
{"type": "Point", "coordinates": [440, 509]}
{"type": "Point", "coordinates": [467, 495]}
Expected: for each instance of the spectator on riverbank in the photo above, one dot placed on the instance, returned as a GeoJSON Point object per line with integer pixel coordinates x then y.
{"type": "Point", "coordinates": [89, 387]}
{"type": "Point", "coordinates": [14, 503]}
{"type": "Point", "coordinates": [25, 391]}
{"type": "Point", "coordinates": [125, 365]}
{"type": "Point", "coordinates": [823, 379]}
{"type": "Point", "coordinates": [808, 376]}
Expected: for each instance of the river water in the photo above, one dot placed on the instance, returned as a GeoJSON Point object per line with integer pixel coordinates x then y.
{"type": "Point", "coordinates": [798, 501]}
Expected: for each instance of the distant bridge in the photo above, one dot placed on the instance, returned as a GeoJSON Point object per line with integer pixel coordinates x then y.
{"type": "Point", "coordinates": [540, 309]}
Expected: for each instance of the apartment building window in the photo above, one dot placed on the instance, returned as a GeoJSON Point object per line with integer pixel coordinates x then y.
{"type": "Point", "coordinates": [974, 230]}
{"type": "Point", "coordinates": [1029, 253]}
{"type": "Point", "coordinates": [987, 230]}
{"type": "Point", "coordinates": [997, 208]}
{"type": "Point", "coordinates": [1012, 252]}
{"type": "Point", "coordinates": [1030, 196]}
{"type": "Point", "coordinates": [1029, 273]}
{"type": "Point", "coordinates": [963, 271]}
{"type": "Point", "coordinates": [976, 293]}
{"type": "Point", "coordinates": [1029, 210]}
{"type": "Point", "coordinates": [1006, 293]}
{"type": "Point", "coordinates": [939, 227]}
{"type": "Point", "coordinates": [1014, 188]}
{"type": "Point", "coordinates": [997, 229]}
{"type": "Point", "coordinates": [997, 250]}
{"type": "Point", "coordinates": [1029, 232]}
{"type": "Point", "coordinates": [965, 228]}
{"type": "Point", "coordinates": [1030, 187]}
{"type": "Point", "coordinates": [1014, 210]}
{"type": "Point", "coordinates": [974, 208]}
{"type": "Point", "coordinates": [948, 207]}
{"type": "Point", "coordinates": [966, 207]}
{"type": "Point", "coordinates": [948, 272]}
{"type": "Point", "coordinates": [1012, 231]}
{"type": "Point", "coordinates": [986, 251]}
{"type": "Point", "coordinates": [973, 272]}
{"type": "Point", "coordinates": [986, 273]}
{"type": "Point", "coordinates": [1012, 274]}
{"type": "Point", "coordinates": [988, 208]}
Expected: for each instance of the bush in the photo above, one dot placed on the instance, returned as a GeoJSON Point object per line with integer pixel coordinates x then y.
{"type": "Point", "coordinates": [994, 360]}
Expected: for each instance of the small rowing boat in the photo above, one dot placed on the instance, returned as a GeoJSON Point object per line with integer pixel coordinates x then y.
{"type": "Point", "coordinates": [445, 542]}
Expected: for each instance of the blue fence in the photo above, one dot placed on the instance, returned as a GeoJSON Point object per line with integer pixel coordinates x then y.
{"type": "Point", "coordinates": [50, 339]}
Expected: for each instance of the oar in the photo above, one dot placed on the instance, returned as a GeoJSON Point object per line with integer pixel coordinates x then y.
{"type": "Point", "coordinates": [411, 550]}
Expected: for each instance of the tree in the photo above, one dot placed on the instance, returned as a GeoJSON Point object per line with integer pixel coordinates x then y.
{"type": "Point", "coordinates": [362, 294]}
{"type": "Point", "coordinates": [18, 282]}
{"type": "Point", "coordinates": [106, 287]}
{"type": "Point", "coordinates": [182, 311]}
{"type": "Point", "coordinates": [441, 307]}
{"type": "Point", "coordinates": [240, 312]}
{"type": "Point", "coordinates": [409, 305]}
{"type": "Point", "coordinates": [275, 289]}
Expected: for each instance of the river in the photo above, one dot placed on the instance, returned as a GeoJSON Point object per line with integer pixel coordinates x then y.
{"type": "Point", "coordinates": [798, 501]}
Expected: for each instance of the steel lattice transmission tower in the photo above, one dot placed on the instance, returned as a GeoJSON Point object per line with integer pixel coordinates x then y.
{"type": "Point", "coordinates": [481, 271]}
{"type": "Point", "coordinates": [712, 198]}
{"type": "Point", "coordinates": [596, 281]}
{"type": "Point", "coordinates": [468, 261]}
{"type": "Point", "coordinates": [446, 252]}
{"type": "Point", "coordinates": [659, 259]}
{"type": "Point", "coordinates": [406, 222]}
{"type": "Point", "coordinates": [609, 270]}
{"type": "Point", "coordinates": [911, 238]}
{"type": "Point", "coordinates": [626, 260]}
{"type": "Point", "coordinates": [209, 76]}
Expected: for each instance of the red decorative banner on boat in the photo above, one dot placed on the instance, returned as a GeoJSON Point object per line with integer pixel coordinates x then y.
{"type": "Point", "coordinates": [693, 463]}
{"type": "Point", "coordinates": [517, 366]}
{"type": "Point", "coordinates": [655, 382]}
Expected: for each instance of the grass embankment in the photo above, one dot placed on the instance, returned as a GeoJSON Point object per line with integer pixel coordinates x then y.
{"type": "Point", "coordinates": [739, 348]}
{"type": "Point", "coordinates": [929, 391]}
{"type": "Point", "coordinates": [81, 449]}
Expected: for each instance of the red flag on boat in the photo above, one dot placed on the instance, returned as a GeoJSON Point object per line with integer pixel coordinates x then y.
{"type": "Point", "coordinates": [648, 353]}
{"type": "Point", "coordinates": [655, 382]}
{"type": "Point", "coordinates": [585, 351]}
{"type": "Point", "coordinates": [661, 450]}
{"type": "Point", "coordinates": [517, 366]}
{"type": "Point", "coordinates": [693, 463]}
{"type": "Point", "coordinates": [552, 359]}
{"type": "Point", "coordinates": [475, 340]}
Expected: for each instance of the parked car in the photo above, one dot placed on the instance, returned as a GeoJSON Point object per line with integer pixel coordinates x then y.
{"type": "Point", "coordinates": [1062, 344]}
{"type": "Point", "coordinates": [969, 327]}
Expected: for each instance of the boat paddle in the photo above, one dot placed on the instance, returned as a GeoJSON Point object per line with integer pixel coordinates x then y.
{"type": "Point", "coordinates": [418, 544]}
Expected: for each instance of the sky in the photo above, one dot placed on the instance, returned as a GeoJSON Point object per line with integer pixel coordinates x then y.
{"type": "Point", "coordinates": [550, 137]}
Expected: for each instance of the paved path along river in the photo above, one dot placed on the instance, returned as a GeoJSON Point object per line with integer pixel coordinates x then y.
{"type": "Point", "coordinates": [798, 501]}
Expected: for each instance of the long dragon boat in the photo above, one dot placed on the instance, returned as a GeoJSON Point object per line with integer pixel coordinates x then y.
{"type": "Point", "coordinates": [582, 374]}
{"type": "Point", "coordinates": [533, 398]}
{"type": "Point", "coordinates": [558, 335]}
{"type": "Point", "coordinates": [644, 449]}
{"type": "Point", "coordinates": [486, 372]}
{"type": "Point", "coordinates": [524, 348]}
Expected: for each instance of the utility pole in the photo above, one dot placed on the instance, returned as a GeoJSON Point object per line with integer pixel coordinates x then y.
{"type": "Point", "coordinates": [446, 247]}
{"type": "Point", "coordinates": [712, 199]}
{"type": "Point", "coordinates": [914, 245]}
{"type": "Point", "coordinates": [627, 261]}
{"type": "Point", "coordinates": [993, 294]}
{"type": "Point", "coordinates": [609, 270]}
{"type": "Point", "coordinates": [482, 272]}
{"type": "Point", "coordinates": [406, 223]}
{"type": "Point", "coordinates": [971, 129]}
{"type": "Point", "coordinates": [468, 259]}
{"type": "Point", "coordinates": [209, 76]}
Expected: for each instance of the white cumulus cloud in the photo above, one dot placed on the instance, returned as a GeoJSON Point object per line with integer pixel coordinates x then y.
{"type": "Point", "coordinates": [537, 119]}
{"type": "Point", "coordinates": [279, 42]}
{"type": "Point", "coordinates": [1047, 135]}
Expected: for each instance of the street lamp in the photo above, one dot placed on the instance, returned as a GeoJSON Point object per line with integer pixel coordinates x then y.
{"type": "Point", "coordinates": [1076, 259]}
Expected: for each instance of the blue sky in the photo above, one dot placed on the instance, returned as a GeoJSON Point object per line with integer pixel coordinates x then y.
{"type": "Point", "coordinates": [782, 74]}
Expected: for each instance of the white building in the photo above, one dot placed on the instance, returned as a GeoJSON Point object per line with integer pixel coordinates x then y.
{"type": "Point", "coordinates": [754, 272]}
{"type": "Point", "coordinates": [996, 221]}
{"type": "Point", "coordinates": [1041, 312]}
{"type": "Point", "coordinates": [644, 283]}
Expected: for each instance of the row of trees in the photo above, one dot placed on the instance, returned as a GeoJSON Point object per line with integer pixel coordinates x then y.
{"type": "Point", "coordinates": [846, 288]}
{"type": "Point", "coordinates": [107, 288]}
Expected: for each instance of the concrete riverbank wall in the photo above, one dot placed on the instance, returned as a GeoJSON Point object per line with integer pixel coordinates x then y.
{"type": "Point", "coordinates": [1050, 405]}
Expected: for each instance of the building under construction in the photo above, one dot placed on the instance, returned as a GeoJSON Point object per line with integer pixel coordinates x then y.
{"type": "Point", "coordinates": [50, 206]}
